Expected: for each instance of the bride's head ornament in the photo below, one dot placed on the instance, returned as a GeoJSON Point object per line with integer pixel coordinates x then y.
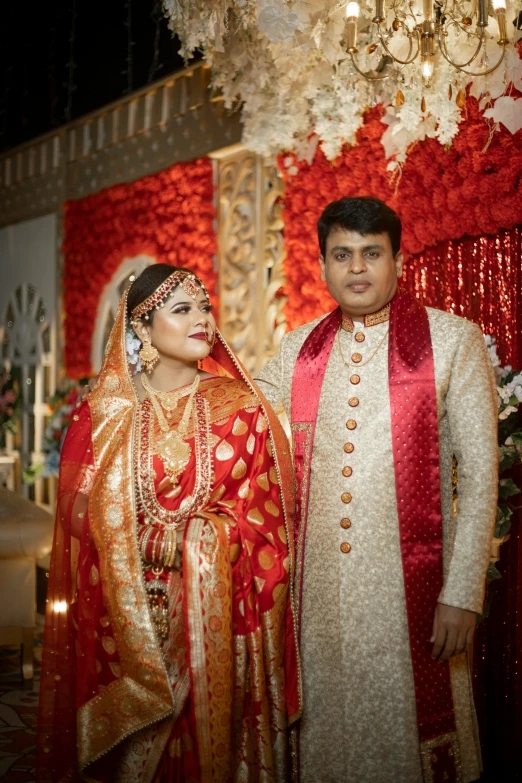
{"type": "Point", "coordinates": [186, 280]}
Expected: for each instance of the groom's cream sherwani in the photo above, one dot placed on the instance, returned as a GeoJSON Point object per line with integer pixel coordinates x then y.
{"type": "Point", "coordinates": [359, 722]}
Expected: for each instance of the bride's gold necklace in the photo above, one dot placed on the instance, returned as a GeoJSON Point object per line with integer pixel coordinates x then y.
{"type": "Point", "coordinates": [172, 448]}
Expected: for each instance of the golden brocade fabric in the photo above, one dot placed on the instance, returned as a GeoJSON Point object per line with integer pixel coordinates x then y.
{"type": "Point", "coordinates": [212, 700]}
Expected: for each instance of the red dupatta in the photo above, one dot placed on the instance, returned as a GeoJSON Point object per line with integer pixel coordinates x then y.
{"type": "Point", "coordinates": [414, 423]}
{"type": "Point", "coordinates": [80, 723]}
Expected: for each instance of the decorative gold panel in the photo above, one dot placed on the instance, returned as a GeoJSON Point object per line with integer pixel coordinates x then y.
{"type": "Point", "coordinates": [250, 236]}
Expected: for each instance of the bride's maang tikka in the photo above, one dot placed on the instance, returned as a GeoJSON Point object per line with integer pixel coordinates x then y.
{"type": "Point", "coordinates": [186, 280]}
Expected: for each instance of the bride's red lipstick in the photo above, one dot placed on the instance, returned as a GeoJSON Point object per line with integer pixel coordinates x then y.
{"type": "Point", "coordinates": [198, 336]}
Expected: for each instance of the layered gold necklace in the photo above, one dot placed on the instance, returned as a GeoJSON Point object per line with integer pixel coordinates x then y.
{"type": "Point", "coordinates": [171, 446]}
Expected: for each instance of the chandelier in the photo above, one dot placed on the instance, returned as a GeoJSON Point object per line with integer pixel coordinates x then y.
{"type": "Point", "coordinates": [419, 32]}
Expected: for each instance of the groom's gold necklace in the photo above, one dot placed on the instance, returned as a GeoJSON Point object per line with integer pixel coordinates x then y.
{"type": "Point", "coordinates": [357, 365]}
{"type": "Point", "coordinates": [172, 448]}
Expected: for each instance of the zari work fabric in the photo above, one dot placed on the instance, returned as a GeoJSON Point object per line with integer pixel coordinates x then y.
{"type": "Point", "coordinates": [212, 700]}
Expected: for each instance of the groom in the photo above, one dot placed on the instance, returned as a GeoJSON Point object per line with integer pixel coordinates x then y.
{"type": "Point", "coordinates": [381, 395]}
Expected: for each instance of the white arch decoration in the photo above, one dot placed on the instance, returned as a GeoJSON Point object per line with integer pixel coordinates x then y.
{"type": "Point", "coordinates": [108, 304]}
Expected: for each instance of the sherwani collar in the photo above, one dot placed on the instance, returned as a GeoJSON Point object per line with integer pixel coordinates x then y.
{"type": "Point", "coordinates": [371, 319]}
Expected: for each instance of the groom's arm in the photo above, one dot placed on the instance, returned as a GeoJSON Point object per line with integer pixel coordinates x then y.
{"type": "Point", "coordinates": [471, 404]}
{"type": "Point", "coordinates": [270, 381]}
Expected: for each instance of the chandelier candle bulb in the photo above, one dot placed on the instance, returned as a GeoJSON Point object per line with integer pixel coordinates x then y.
{"type": "Point", "coordinates": [483, 13]}
{"type": "Point", "coordinates": [499, 7]}
{"type": "Point", "coordinates": [427, 68]}
{"type": "Point", "coordinates": [352, 15]}
{"type": "Point", "coordinates": [428, 10]}
{"type": "Point", "coordinates": [380, 13]}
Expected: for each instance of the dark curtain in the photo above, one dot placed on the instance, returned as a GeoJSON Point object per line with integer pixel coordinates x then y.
{"type": "Point", "coordinates": [480, 278]}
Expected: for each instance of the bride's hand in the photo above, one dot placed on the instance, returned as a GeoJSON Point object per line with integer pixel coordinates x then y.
{"type": "Point", "coordinates": [85, 390]}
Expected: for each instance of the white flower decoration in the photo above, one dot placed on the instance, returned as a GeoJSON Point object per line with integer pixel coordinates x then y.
{"type": "Point", "coordinates": [133, 345]}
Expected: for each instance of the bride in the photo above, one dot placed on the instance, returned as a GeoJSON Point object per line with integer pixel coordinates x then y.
{"type": "Point", "coordinates": [169, 649]}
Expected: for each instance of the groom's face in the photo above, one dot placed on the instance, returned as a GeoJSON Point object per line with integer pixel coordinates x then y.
{"type": "Point", "coordinates": [360, 271]}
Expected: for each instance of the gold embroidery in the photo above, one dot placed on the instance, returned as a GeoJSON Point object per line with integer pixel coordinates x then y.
{"type": "Point", "coordinates": [239, 469]}
{"type": "Point", "coordinates": [274, 510]}
{"type": "Point", "coordinates": [448, 741]}
{"type": "Point", "coordinates": [239, 427]}
{"type": "Point", "coordinates": [94, 576]}
{"type": "Point", "coordinates": [251, 444]}
{"type": "Point", "coordinates": [272, 474]}
{"type": "Point", "coordinates": [372, 319]}
{"type": "Point", "coordinates": [259, 583]}
{"type": "Point", "coordinates": [244, 489]}
{"type": "Point", "coordinates": [109, 645]}
{"type": "Point", "coordinates": [255, 516]}
{"type": "Point", "coordinates": [224, 451]}
{"type": "Point", "coordinates": [218, 494]}
{"type": "Point", "coordinates": [262, 481]}
{"type": "Point", "coordinates": [299, 553]}
{"type": "Point", "coordinates": [266, 559]}
{"type": "Point", "coordinates": [115, 669]}
{"type": "Point", "coordinates": [281, 530]}
{"type": "Point", "coordinates": [261, 423]}
{"type": "Point", "coordinates": [235, 551]}
{"type": "Point", "coordinates": [380, 317]}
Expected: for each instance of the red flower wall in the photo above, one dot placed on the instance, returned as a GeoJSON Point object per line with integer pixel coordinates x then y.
{"type": "Point", "coordinates": [169, 216]}
{"type": "Point", "coordinates": [443, 194]}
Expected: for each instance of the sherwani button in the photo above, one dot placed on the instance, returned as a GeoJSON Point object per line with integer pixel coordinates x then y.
{"type": "Point", "coordinates": [353, 402]}
{"type": "Point", "coordinates": [345, 547]}
{"type": "Point", "coordinates": [346, 497]}
{"type": "Point", "coordinates": [356, 357]}
{"type": "Point", "coordinates": [348, 447]}
{"type": "Point", "coordinates": [346, 523]}
{"type": "Point", "coordinates": [347, 472]}
{"type": "Point", "coordinates": [360, 338]}
{"type": "Point", "coordinates": [355, 379]}
{"type": "Point", "coordinates": [351, 424]}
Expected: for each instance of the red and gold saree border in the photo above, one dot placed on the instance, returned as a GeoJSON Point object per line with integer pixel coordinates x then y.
{"type": "Point", "coordinates": [143, 695]}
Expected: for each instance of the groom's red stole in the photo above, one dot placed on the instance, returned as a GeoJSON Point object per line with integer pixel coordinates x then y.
{"type": "Point", "coordinates": [415, 440]}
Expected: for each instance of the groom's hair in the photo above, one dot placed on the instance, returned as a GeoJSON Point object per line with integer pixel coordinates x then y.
{"type": "Point", "coordinates": [364, 215]}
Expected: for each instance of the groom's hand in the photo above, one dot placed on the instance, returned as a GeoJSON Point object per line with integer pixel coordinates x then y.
{"type": "Point", "coordinates": [453, 631]}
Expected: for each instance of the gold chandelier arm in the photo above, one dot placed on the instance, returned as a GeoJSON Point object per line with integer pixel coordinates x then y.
{"type": "Point", "coordinates": [396, 59]}
{"type": "Point", "coordinates": [445, 54]}
{"type": "Point", "coordinates": [489, 70]}
{"type": "Point", "coordinates": [366, 75]}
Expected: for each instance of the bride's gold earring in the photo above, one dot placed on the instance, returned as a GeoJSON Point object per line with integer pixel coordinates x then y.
{"type": "Point", "coordinates": [149, 355]}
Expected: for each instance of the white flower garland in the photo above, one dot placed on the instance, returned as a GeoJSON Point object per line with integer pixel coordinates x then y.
{"type": "Point", "coordinates": [284, 60]}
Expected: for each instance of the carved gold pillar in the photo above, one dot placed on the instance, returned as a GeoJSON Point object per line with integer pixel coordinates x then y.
{"type": "Point", "coordinates": [250, 242]}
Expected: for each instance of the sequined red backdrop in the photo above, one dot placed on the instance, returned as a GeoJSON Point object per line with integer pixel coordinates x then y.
{"type": "Point", "coordinates": [479, 278]}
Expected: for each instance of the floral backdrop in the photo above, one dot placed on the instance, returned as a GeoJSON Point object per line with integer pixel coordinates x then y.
{"type": "Point", "coordinates": [285, 63]}
{"type": "Point", "coordinates": [169, 216]}
{"type": "Point", "coordinates": [443, 195]}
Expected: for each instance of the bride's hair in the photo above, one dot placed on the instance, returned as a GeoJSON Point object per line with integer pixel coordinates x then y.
{"type": "Point", "coordinates": [150, 279]}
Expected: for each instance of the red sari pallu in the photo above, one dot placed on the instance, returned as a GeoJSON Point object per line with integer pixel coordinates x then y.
{"type": "Point", "coordinates": [211, 701]}
{"type": "Point", "coordinates": [413, 404]}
